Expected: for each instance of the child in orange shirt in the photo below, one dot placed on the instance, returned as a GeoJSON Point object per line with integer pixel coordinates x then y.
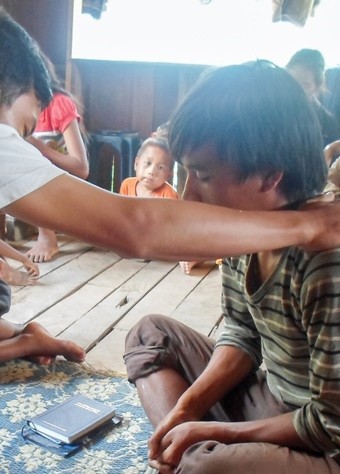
{"type": "Point", "coordinates": [153, 166]}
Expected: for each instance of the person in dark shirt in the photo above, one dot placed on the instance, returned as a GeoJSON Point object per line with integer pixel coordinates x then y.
{"type": "Point", "coordinates": [307, 66]}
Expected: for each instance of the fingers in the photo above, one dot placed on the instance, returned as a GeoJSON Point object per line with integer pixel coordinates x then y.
{"type": "Point", "coordinates": [162, 467]}
{"type": "Point", "coordinates": [318, 201]}
{"type": "Point", "coordinates": [31, 267]}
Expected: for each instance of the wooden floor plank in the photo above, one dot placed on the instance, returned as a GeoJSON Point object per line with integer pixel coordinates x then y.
{"type": "Point", "coordinates": [201, 309]}
{"type": "Point", "coordinates": [108, 354]}
{"type": "Point", "coordinates": [112, 309]}
{"type": "Point", "coordinates": [63, 314]}
{"type": "Point", "coordinates": [166, 296]}
{"type": "Point", "coordinates": [33, 300]}
{"type": "Point", "coordinates": [93, 297]}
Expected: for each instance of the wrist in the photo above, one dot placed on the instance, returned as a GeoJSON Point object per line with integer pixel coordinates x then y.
{"type": "Point", "coordinates": [25, 260]}
{"type": "Point", "coordinates": [194, 405]}
{"type": "Point", "coordinates": [186, 409]}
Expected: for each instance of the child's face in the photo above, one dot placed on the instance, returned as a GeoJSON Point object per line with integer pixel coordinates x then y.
{"type": "Point", "coordinates": [153, 167]}
{"type": "Point", "coordinates": [22, 114]}
{"type": "Point", "coordinates": [306, 80]}
{"type": "Point", "coordinates": [210, 180]}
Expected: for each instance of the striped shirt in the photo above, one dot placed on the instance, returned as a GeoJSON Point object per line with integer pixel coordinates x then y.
{"type": "Point", "coordinates": [292, 323]}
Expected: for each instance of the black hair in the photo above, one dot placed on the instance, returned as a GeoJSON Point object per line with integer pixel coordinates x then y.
{"type": "Point", "coordinates": [312, 60]}
{"type": "Point", "coordinates": [260, 121]}
{"type": "Point", "coordinates": [159, 142]}
{"type": "Point", "coordinates": [21, 67]}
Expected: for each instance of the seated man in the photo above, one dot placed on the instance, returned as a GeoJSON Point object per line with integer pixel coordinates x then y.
{"type": "Point", "coordinates": [248, 139]}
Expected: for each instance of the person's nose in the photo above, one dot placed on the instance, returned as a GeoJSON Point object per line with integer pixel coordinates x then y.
{"type": "Point", "coordinates": [152, 170]}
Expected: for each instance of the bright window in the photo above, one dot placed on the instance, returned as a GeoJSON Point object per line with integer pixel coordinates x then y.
{"type": "Point", "coordinates": [186, 31]}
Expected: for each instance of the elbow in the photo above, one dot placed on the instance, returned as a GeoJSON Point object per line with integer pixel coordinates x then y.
{"type": "Point", "coordinates": [82, 171]}
{"type": "Point", "coordinates": [83, 174]}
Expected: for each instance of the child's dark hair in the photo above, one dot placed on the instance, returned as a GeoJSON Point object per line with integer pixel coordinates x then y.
{"type": "Point", "coordinates": [260, 121]}
{"type": "Point", "coordinates": [159, 142]}
{"type": "Point", "coordinates": [21, 67]}
{"type": "Point", "coordinates": [310, 59]}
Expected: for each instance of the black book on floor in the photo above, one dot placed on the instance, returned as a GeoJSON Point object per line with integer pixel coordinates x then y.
{"type": "Point", "coordinates": [71, 420]}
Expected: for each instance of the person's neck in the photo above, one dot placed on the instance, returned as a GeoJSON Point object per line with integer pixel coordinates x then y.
{"type": "Point", "coordinates": [267, 263]}
{"type": "Point", "coordinates": [268, 260]}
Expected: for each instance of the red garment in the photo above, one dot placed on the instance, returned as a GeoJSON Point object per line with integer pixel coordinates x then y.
{"type": "Point", "coordinates": [57, 115]}
{"type": "Point", "coordinates": [128, 188]}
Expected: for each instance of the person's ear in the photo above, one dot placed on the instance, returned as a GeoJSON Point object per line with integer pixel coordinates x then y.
{"type": "Point", "coordinates": [135, 164]}
{"type": "Point", "coordinates": [271, 181]}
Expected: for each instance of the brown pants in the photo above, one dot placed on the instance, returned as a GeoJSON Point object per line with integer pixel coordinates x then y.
{"type": "Point", "coordinates": [158, 342]}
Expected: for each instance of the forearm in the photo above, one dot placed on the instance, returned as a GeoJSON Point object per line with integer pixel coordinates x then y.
{"type": "Point", "coordinates": [276, 430]}
{"type": "Point", "coordinates": [227, 368]}
{"type": "Point", "coordinates": [74, 162]}
{"type": "Point", "coordinates": [10, 252]}
{"type": "Point", "coordinates": [169, 229]}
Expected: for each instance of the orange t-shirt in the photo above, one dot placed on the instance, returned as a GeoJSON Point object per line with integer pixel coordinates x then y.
{"type": "Point", "coordinates": [129, 185]}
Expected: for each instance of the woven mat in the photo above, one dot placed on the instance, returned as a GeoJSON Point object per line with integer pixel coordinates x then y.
{"type": "Point", "coordinates": [27, 389]}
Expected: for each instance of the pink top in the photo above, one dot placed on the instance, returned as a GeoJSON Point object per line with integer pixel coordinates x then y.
{"type": "Point", "coordinates": [57, 115]}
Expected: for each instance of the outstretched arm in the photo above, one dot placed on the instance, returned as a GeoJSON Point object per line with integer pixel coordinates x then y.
{"type": "Point", "coordinates": [168, 229]}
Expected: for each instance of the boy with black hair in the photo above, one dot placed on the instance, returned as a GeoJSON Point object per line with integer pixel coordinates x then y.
{"type": "Point", "coordinates": [248, 139]}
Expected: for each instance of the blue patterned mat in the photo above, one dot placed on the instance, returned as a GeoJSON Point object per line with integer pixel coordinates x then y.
{"type": "Point", "coordinates": [27, 389]}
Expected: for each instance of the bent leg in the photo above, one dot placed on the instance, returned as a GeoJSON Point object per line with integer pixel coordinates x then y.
{"type": "Point", "coordinates": [163, 357]}
{"type": "Point", "coordinates": [211, 457]}
{"type": "Point", "coordinates": [157, 342]}
{"type": "Point", "coordinates": [34, 342]}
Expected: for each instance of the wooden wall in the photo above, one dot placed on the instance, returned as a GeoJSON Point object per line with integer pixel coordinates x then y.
{"type": "Point", "coordinates": [131, 96]}
{"type": "Point", "coordinates": [116, 95]}
{"type": "Point", "coordinates": [47, 22]}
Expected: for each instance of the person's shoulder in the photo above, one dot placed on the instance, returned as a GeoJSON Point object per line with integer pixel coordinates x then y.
{"type": "Point", "coordinates": [325, 115]}
{"type": "Point", "coordinates": [128, 186]}
{"type": "Point", "coordinates": [7, 131]}
{"type": "Point", "coordinates": [62, 103]}
{"type": "Point", "coordinates": [314, 265]}
{"type": "Point", "coordinates": [61, 111]}
{"type": "Point", "coordinates": [169, 191]}
{"type": "Point", "coordinates": [129, 181]}
{"type": "Point", "coordinates": [59, 98]}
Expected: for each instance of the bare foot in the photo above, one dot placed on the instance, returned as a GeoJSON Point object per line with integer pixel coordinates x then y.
{"type": "Point", "coordinates": [45, 248]}
{"type": "Point", "coordinates": [187, 266]}
{"type": "Point", "coordinates": [43, 347]}
{"type": "Point", "coordinates": [15, 277]}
